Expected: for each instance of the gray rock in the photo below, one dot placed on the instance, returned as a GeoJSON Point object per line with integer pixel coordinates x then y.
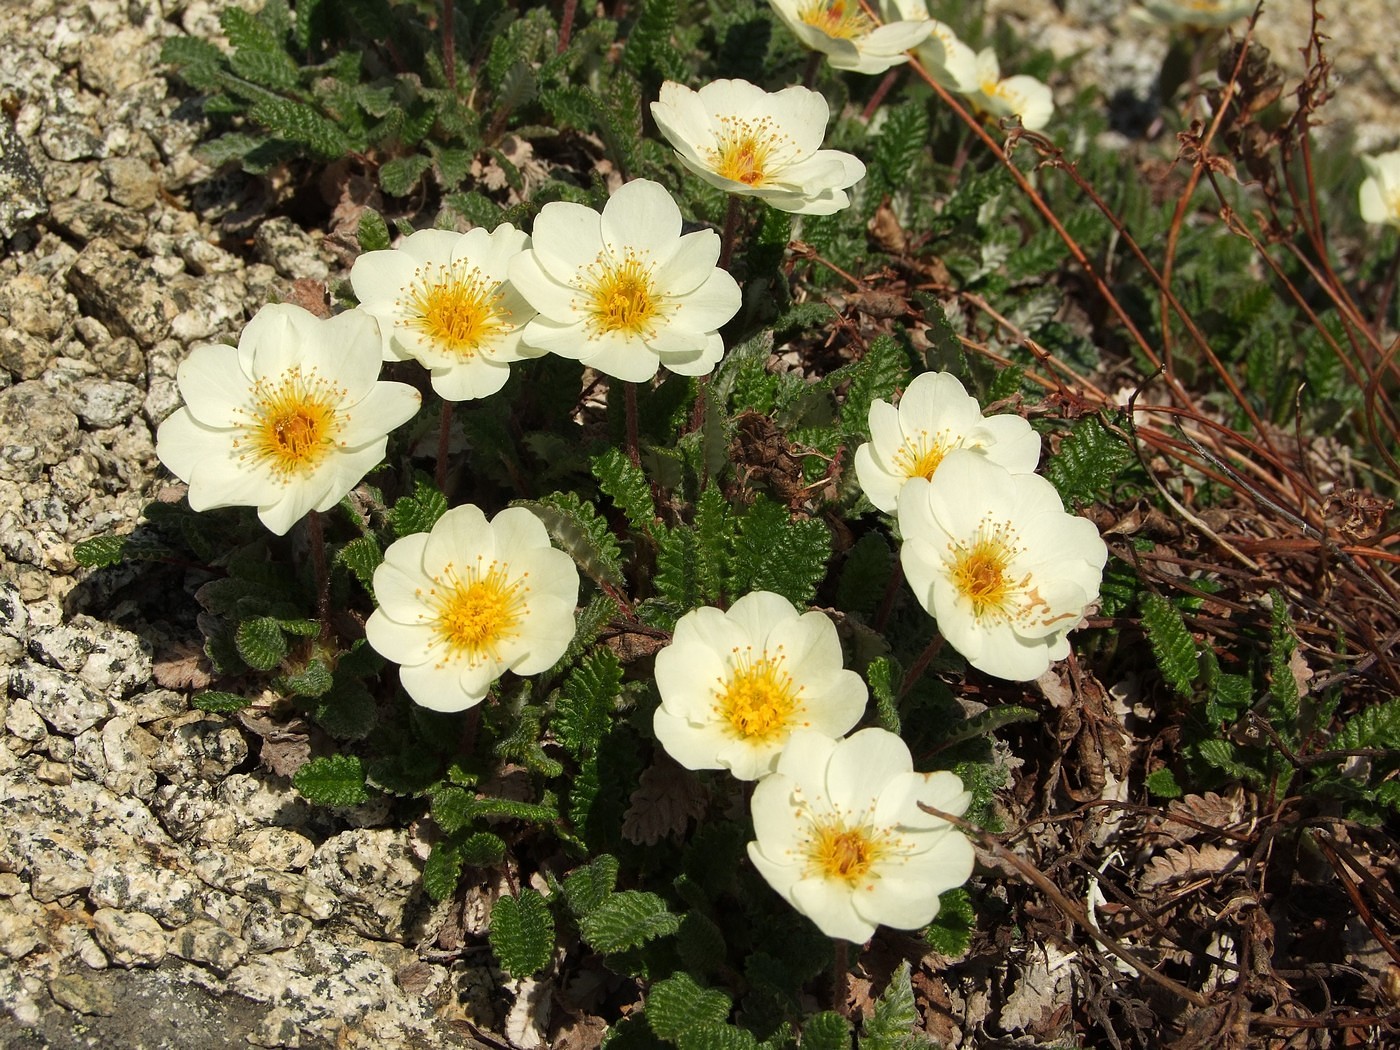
{"type": "Point", "coordinates": [203, 257]}
{"type": "Point", "coordinates": [119, 358]}
{"type": "Point", "coordinates": [128, 750]}
{"type": "Point", "coordinates": [122, 292]}
{"type": "Point", "coordinates": [14, 617]}
{"type": "Point", "coordinates": [277, 849]}
{"type": "Point", "coordinates": [34, 304]}
{"type": "Point", "coordinates": [107, 404]}
{"type": "Point", "coordinates": [208, 944]}
{"type": "Point", "coordinates": [131, 182]}
{"type": "Point", "coordinates": [154, 705]}
{"type": "Point", "coordinates": [62, 699]}
{"type": "Point", "coordinates": [377, 879]}
{"type": "Point", "coordinates": [22, 923]}
{"type": "Point", "coordinates": [80, 992]}
{"type": "Point", "coordinates": [22, 197]}
{"type": "Point", "coordinates": [88, 761]}
{"type": "Point", "coordinates": [24, 725]}
{"type": "Point", "coordinates": [162, 393]}
{"type": "Point", "coordinates": [130, 884]}
{"type": "Point", "coordinates": [130, 938]}
{"type": "Point", "coordinates": [58, 866]}
{"type": "Point", "coordinates": [37, 430]}
{"type": "Point", "coordinates": [267, 929]}
{"type": "Point", "coordinates": [87, 220]}
{"type": "Point", "coordinates": [23, 355]}
{"type": "Point", "coordinates": [200, 745]}
{"type": "Point", "coordinates": [289, 249]}
{"type": "Point", "coordinates": [51, 772]}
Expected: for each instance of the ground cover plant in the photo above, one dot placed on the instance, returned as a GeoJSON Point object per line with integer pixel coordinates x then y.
{"type": "Point", "coordinates": [837, 553]}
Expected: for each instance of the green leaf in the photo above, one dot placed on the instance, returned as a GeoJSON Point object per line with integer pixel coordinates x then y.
{"type": "Point", "coordinates": [373, 232]}
{"type": "Point", "coordinates": [866, 575]}
{"type": "Point", "coordinates": [348, 711]}
{"type": "Point", "coordinates": [985, 723]}
{"type": "Point", "coordinates": [826, 1031]}
{"type": "Point", "coordinates": [1223, 756]}
{"type": "Point", "coordinates": [1088, 462]}
{"type": "Point", "coordinates": [1171, 642]}
{"type": "Point", "coordinates": [199, 62]}
{"type": "Point", "coordinates": [896, 150]}
{"type": "Point", "coordinates": [627, 920]}
{"type": "Point", "coordinates": [361, 556]}
{"type": "Point", "coordinates": [586, 888]}
{"type": "Point", "coordinates": [1283, 686]}
{"type": "Point", "coordinates": [626, 486]}
{"type": "Point", "coordinates": [713, 1036]}
{"type": "Point", "coordinates": [774, 553]}
{"type": "Point", "coordinates": [454, 809]}
{"type": "Point", "coordinates": [950, 933]}
{"type": "Point", "coordinates": [443, 869]}
{"type": "Point", "coordinates": [522, 933]}
{"type": "Point", "coordinates": [1162, 783]}
{"type": "Point", "coordinates": [261, 643]}
{"type": "Point", "coordinates": [885, 678]}
{"type": "Point", "coordinates": [578, 530]}
{"type": "Point", "coordinates": [299, 122]}
{"type": "Point", "coordinates": [700, 943]}
{"type": "Point", "coordinates": [714, 535]}
{"type": "Point", "coordinates": [271, 69]}
{"type": "Point", "coordinates": [482, 850]}
{"type": "Point", "coordinates": [220, 703]}
{"type": "Point", "coordinates": [1372, 727]}
{"type": "Point", "coordinates": [336, 780]}
{"type": "Point", "coordinates": [399, 176]}
{"type": "Point", "coordinates": [895, 1018]}
{"type": "Point", "coordinates": [677, 577]}
{"type": "Point", "coordinates": [583, 712]}
{"type": "Point", "coordinates": [102, 551]}
{"type": "Point", "coordinates": [678, 1004]}
{"type": "Point", "coordinates": [418, 512]}
{"type": "Point", "coordinates": [246, 31]}
{"type": "Point", "coordinates": [315, 679]}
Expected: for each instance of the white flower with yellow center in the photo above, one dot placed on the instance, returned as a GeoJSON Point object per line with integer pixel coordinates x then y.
{"type": "Point", "coordinates": [1200, 14]}
{"type": "Point", "coordinates": [443, 299]}
{"type": "Point", "coordinates": [1380, 190]}
{"type": "Point", "coordinates": [946, 58]}
{"type": "Point", "coordinates": [734, 685]}
{"type": "Point", "coordinates": [935, 416]}
{"type": "Point", "coordinates": [464, 603]}
{"type": "Point", "coordinates": [756, 143]}
{"type": "Point", "coordinates": [997, 561]}
{"type": "Point", "coordinates": [289, 421]}
{"type": "Point", "coordinates": [850, 38]}
{"type": "Point", "coordinates": [839, 833]}
{"type": "Point", "coordinates": [624, 291]}
{"type": "Point", "coordinates": [1019, 96]}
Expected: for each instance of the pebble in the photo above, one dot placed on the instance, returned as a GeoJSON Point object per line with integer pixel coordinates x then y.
{"type": "Point", "coordinates": [130, 938]}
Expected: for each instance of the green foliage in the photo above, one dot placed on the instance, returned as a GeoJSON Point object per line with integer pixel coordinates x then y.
{"type": "Point", "coordinates": [1172, 644]}
{"type": "Point", "coordinates": [361, 556]}
{"type": "Point", "coordinates": [335, 780]}
{"type": "Point", "coordinates": [220, 703]}
{"type": "Point", "coordinates": [950, 933]}
{"type": "Point", "coordinates": [522, 933]}
{"type": "Point", "coordinates": [627, 487]}
{"type": "Point", "coordinates": [894, 1023]}
{"type": "Point", "coordinates": [420, 511]}
{"type": "Point", "coordinates": [627, 920]}
{"type": "Point", "coordinates": [261, 643]}
{"type": "Point", "coordinates": [826, 1031]}
{"type": "Point", "coordinates": [1089, 461]}
{"type": "Point", "coordinates": [587, 887]}
{"type": "Point", "coordinates": [775, 553]}
{"type": "Point", "coordinates": [578, 530]}
{"type": "Point", "coordinates": [586, 701]}
{"type": "Point", "coordinates": [678, 1005]}
{"type": "Point", "coordinates": [99, 552]}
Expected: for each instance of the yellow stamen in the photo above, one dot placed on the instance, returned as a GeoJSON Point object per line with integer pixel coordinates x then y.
{"type": "Point", "coordinates": [456, 309]}
{"type": "Point", "coordinates": [758, 700]}
{"type": "Point", "coordinates": [919, 457]}
{"type": "Point", "coordinates": [745, 151]}
{"type": "Point", "coordinates": [842, 853]}
{"type": "Point", "coordinates": [477, 610]}
{"type": "Point", "coordinates": [622, 297]}
{"type": "Point", "coordinates": [292, 424]}
{"type": "Point", "coordinates": [842, 19]}
{"type": "Point", "coordinates": [981, 572]}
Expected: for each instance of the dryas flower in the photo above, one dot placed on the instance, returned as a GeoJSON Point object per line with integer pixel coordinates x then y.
{"type": "Point", "coordinates": [1199, 14]}
{"type": "Point", "coordinates": [464, 603]}
{"type": "Point", "coordinates": [935, 416]}
{"type": "Point", "coordinates": [442, 298]}
{"type": "Point", "coordinates": [850, 38]}
{"type": "Point", "coordinates": [289, 421]}
{"type": "Point", "coordinates": [735, 685]}
{"type": "Point", "coordinates": [757, 143]}
{"type": "Point", "coordinates": [998, 562]}
{"type": "Point", "coordinates": [840, 834]}
{"type": "Point", "coordinates": [1019, 96]}
{"type": "Point", "coordinates": [946, 58]}
{"type": "Point", "coordinates": [1380, 190]}
{"type": "Point", "coordinates": [624, 291]}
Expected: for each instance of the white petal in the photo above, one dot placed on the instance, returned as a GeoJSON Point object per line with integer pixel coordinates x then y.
{"type": "Point", "coordinates": [828, 904]}
{"type": "Point", "coordinates": [443, 686]}
{"type": "Point", "coordinates": [384, 407]}
{"type": "Point", "coordinates": [567, 239]}
{"type": "Point", "coordinates": [460, 537]}
{"type": "Point", "coordinates": [710, 306]}
{"type": "Point", "coordinates": [213, 384]}
{"type": "Point", "coordinates": [690, 266]}
{"type": "Point", "coordinates": [642, 218]}
{"type": "Point", "coordinates": [879, 485]}
{"type": "Point", "coordinates": [693, 746]}
{"type": "Point", "coordinates": [863, 764]}
{"type": "Point", "coordinates": [401, 643]}
{"type": "Point", "coordinates": [544, 637]}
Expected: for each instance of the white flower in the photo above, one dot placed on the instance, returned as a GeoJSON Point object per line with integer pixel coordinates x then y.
{"type": "Point", "coordinates": [1199, 14]}
{"type": "Point", "coordinates": [1380, 190]}
{"type": "Point", "coordinates": [841, 836]}
{"type": "Point", "coordinates": [462, 604]}
{"type": "Point", "coordinates": [935, 416]}
{"type": "Point", "coordinates": [849, 38]}
{"type": "Point", "coordinates": [1018, 96]}
{"type": "Point", "coordinates": [748, 141]}
{"type": "Point", "coordinates": [624, 292]}
{"type": "Point", "coordinates": [442, 298]}
{"type": "Point", "coordinates": [997, 561]}
{"type": "Point", "coordinates": [734, 685]}
{"type": "Point", "coordinates": [946, 58]}
{"type": "Point", "coordinates": [289, 421]}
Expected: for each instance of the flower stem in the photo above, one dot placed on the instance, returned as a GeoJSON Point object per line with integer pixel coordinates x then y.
{"type": "Point", "coordinates": [840, 964]}
{"type": "Point", "coordinates": [882, 617]}
{"type": "Point", "coordinates": [880, 92]}
{"type": "Point", "coordinates": [916, 671]}
{"type": "Point", "coordinates": [814, 63]}
{"type": "Point", "coordinates": [566, 24]}
{"type": "Point", "coordinates": [449, 43]}
{"type": "Point", "coordinates": [731, 232]}
{"type": "Point", "coordinates": [444, 439]}
{"type": "Point", "coordinates": [316, 540]}
{"type": "Point", "coordinates": [634, 452]}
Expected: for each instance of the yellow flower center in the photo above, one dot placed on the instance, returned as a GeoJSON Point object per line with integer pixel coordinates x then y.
{"type": "Point", "coordinates": [981, 572]}
{"type": "Point", "coordinates": [836, 18]}
{"type": "Point", "coordinates": [454, 308]}
{"type": "Point", "coordinates": [919, 457]}
{"type": "Point", "coordinates": [477, 610]}
{"type": "Point", "coordinates": [844, 854]}
{"type": "Point", "coordinates": [758, 699]}
{"type": "Point", "coordinates": [745, 151]}
{"type": "Point", "coordinates": [622, 297]}
{"type": "Point", "coordinates": [293, 423]}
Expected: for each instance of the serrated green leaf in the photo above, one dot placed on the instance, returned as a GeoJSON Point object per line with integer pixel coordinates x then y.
{"type": "Point", "coordinates": [1162, 783]}
{"type": "Point", "coordinates": [885, 678]}
{"type": "Point", "coordinates": [1222, 755]}
{"type": "Point", "coordinates": [865, 575]}
{"type": "Point", "coordinates": [578, 530]}
{"type": "Point", "coordinates": [700, 943]}
{"type": "Point", "coordinates": [985, 723]}
{"type": "Point", "coordinates": [98, 552]}
{"type": "Point", "coordinates": [301, 123]}
{"type": "Point", "coordinates": [315, 679]}
{"type": "Point", "coordinates": [627, 920]}
{"type": "Point", "coordinates": [774, 553]}
{"type": "Point", "coordinates": [271, 69]}
{"type": "Point", "coordinates": [261, 643]}
{"type": "Point", "coordinates": [583, 712]}
{"type": "Point", "coordinates": [198, 62]}
{"type": "Point", "coordinates": [881, 370]}
{"type": "Point", "coordinates": [587, 887]}
{"type": "Point", "coordinates": [418, 512]}
{"type": "Point", "coordinates": [894, 154]}
{"type": "Point", "coordinates": [678, 1004]}
{"type": "Point", "coordinates": [1171, 642]}
{"type": "Point", "coordinates": [678, 567]}
{"type": "Point", "coordinates": [361, 556]}
{"type": "Point", "coordinates": [714, 1036]}
{"type": "Point", "coordinates": [220, 703]}
{"type": "Point", "coordinates": [373, 232]}
{"type": "Point", "coordinates": [714, 535]}
{"type": "Point", "coordinates": [247, 31]}
{"type": "Point", "coordinates": [1088, 462]}
{"type": "Point", "coordinates": [1228, 697]}
{"type": "Point", "coordinates": [627, 487]}
{"type": "Point", "coordinates": [1283, 686]}
{"type": "Point", "coordinates": [826, 1031]}
{"type": "Point", "coordinates": [335, 780]}
{"type": "Point", "coordinates": [399, 176]}
{"type": "Point", "coordinates": [442, 870]}
{"type": "Point", "coordinates": [348, 711]}
{"type": "Point", "coordinates": [1371, 727]}
{"type": "Point", "coordinates": [895, 1017]}
{"type": "Point", "coordinates": [950, 933]}
{"type": "Point", "coordinates": [522, 933]}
